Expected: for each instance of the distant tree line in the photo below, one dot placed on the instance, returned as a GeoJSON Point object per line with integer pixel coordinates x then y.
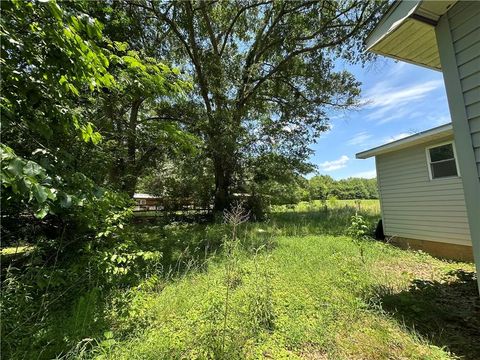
{"type": "Point", "coordinates": [321, 187]}
{"type": "Point", "coordinates": [189, 182]}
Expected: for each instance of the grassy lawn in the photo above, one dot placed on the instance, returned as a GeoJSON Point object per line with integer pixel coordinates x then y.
{"type": "Point", "coordinates": [306, 294]}
{"type": "Point", "coordinates": [291, 288]}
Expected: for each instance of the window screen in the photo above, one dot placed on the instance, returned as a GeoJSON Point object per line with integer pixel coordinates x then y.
{"type": "Point", "coordinates": [442, 161]}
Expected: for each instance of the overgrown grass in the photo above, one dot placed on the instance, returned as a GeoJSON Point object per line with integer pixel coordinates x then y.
{"type": "Point", "coordinates": [292, 287]}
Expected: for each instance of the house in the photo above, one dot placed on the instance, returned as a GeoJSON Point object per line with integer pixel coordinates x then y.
{"type": "Point", "coordinates": [421, 193]}
{"type": "Point", "coordinates": [145, 202]}
{"type": "Point", "coordinates": [444, 36]}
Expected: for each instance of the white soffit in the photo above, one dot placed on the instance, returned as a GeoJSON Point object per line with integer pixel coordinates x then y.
{"type": "Point", "coordinates": [416, 139]}
{"type": "Point", "coordinates": [407, 32]}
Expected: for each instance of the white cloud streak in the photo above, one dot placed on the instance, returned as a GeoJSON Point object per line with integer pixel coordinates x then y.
{"type": "Point", "coordinates": [397, 137]}
{"type": "Point", "coordinates": [370, 174]}
{"type": "Point", "coordinates": [359, 139]}
{"type": "Point", "coordinates": [334, 164]}
{"type": "Point", "coordinates": [390, 103]}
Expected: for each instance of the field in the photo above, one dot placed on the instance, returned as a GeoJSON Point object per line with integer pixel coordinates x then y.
{"type": "Point", "coordinates": [294, 287]}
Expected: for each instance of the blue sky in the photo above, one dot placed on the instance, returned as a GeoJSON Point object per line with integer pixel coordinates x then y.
{"type": "Point", "coordinates": [399, 99]}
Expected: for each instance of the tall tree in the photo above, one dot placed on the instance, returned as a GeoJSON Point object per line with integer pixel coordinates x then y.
{"type": "Point", "coordinates": [135, 136]}
{"type": "Point", "coordinates": [264, 71]}
{"type": "Point", "coordinates": [57, 70]}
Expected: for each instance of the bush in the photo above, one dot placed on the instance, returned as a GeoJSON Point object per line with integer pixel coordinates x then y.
{"type": "Point", "coordinates": [359, 231]}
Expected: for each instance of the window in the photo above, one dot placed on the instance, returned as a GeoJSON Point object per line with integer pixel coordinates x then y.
{"type": "Point", "coordinates": [441, 161]}
{"type": "Point", "coordinates": [142, 201]}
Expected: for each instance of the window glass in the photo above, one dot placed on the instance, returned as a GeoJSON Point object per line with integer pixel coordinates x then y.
{"type": "Point", "coordinates": [444, 169]}
{"type": "Point", "coordinates": [442, 161]}
{"type": "Point", "coordinates": [442, 152]}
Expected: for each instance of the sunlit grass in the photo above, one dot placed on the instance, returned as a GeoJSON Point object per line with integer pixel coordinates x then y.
{"type": "Point", "coordinates": [325, 302]}
{"type": "Point", "coordinates": [297, 289]}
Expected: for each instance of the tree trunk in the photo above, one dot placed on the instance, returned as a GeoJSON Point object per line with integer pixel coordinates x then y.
{"type": "Point", "coordinates": [222, 185]}
{"type": "Point", "coordinates": [130, 175]}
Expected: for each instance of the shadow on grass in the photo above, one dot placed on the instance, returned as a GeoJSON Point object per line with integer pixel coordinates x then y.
{"type": "Point", "coordinates": [180, 244]}
{"type": "Point", "coordinates": [446, 312]}
{"type": "Point", "coordinates": [80, 293]}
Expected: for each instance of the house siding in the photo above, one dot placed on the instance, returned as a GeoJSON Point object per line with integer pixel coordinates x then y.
{"type": "Point", "coordinates": [415, 207]}
{"type": "Point", "coordinates": [464, 21]}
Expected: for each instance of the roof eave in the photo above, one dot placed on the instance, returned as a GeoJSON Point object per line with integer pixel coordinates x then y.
{"type": "Point", "coordinates": [395, 15]}
{"type": "Point", "coordinates": [407, 22]}
{"type": "Point", "coordinates": [416, 139]}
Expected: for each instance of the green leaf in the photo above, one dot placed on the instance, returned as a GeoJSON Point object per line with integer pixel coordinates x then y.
{"type": "Point", "coordinates": [15, 167]}
{"type": "Point", "coordinates": [73, 89]}
{"type": "Point", "coordinates": [96, 137]}
{"type": "Point", "coordinates": [42, 212]}
{"type": "Point", "coordinates": [121, 46]}
{"type": "Point", "coordinates": [134, 63]}
{"type": "Point", "coordinates": [40, 193]}
{"type": "Point", "coordinates": [66, 201]}
{"type": "Point", "coordinates": [56, 11]}
{"type": "Point", "coordinates": [33, 169]}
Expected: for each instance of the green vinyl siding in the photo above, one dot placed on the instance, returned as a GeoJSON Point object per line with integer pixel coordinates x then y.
{"type": "Point", "coordinates": [413, 206]}
{"type": "Point", "coordinates": [464, 23]}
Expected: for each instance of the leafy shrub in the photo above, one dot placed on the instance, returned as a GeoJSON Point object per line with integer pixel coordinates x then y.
{"type": "Point", "coordinates": [359, 231]}
{"type": "Point", "coordinates": [359, 228]}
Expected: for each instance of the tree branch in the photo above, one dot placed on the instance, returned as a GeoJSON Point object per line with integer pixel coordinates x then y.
{"type": "Point", "coordinates": [304, 50]}
{"type": "Point", "coordinates": [235, 19]}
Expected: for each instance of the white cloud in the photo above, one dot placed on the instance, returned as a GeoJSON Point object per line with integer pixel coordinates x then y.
{"type": "Point", "coordinates": [366, 174]}
{"type": "Point", "coordinates": [439, 120]}
{"type": "Point", "coordinates": [359, 139]}
{"type": "Point", "coordinates": [389, 103]}
{"type": "Point", "coordinates": [397, 137]}
{"type": "Point", "coordinates": [335, 164]}
{"type": "Point", "coordinates": [389, 139]}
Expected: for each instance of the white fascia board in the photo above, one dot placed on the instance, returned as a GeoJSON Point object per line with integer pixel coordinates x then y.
{"type": "Point", "coordinates": [421, 137]}
{"type": "Point", "coordinates": [398, 13]}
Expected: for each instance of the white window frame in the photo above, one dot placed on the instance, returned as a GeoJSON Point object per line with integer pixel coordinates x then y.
{"type": "Point", "coordinates": [429, 161]}
{"type": "Point", "coordinates": [142, 201]}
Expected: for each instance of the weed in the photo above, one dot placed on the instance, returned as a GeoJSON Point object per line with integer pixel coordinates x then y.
{"type": "Point", "coordinates": [234, 218]}
{"type": "Point", "coordinates": [359, 230]}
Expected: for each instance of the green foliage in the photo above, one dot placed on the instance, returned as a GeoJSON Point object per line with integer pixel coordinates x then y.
{"type": "Point", "coordinates": [188, 180]}
{"type": "Point", "coordinates": [137, 136]}
{"type": "Point", "coordinates": [323, 186]}
{"type": "Point", "coordinates": [286, 305]}
{"type": "Point", "coordinates": [264, 73]}
{"type": "Point", "coordinates": [127, 260]}
{"type": "Point", "coordinates": [42, 88]}
{"type": "Point", "coordinates": [40, 81]}
{"type": "Point", "coordinates": [332, 201]}
{"type": "Point", "coordinates": [281, 302]}
{"type": "Point", "coordinates": [359, 229]}
{"type": "Point", "coordinates": [28, 182]}
{"type": "Point", "coordinates": [58, 71]}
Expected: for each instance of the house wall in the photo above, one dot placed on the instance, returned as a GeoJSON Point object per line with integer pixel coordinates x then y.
{"type": "Point", "coordinates": [464, 21]}
{"type": "Point", "coordinates": [458, 35]}
{"type": "Point", "coordinates": [415, 207]}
